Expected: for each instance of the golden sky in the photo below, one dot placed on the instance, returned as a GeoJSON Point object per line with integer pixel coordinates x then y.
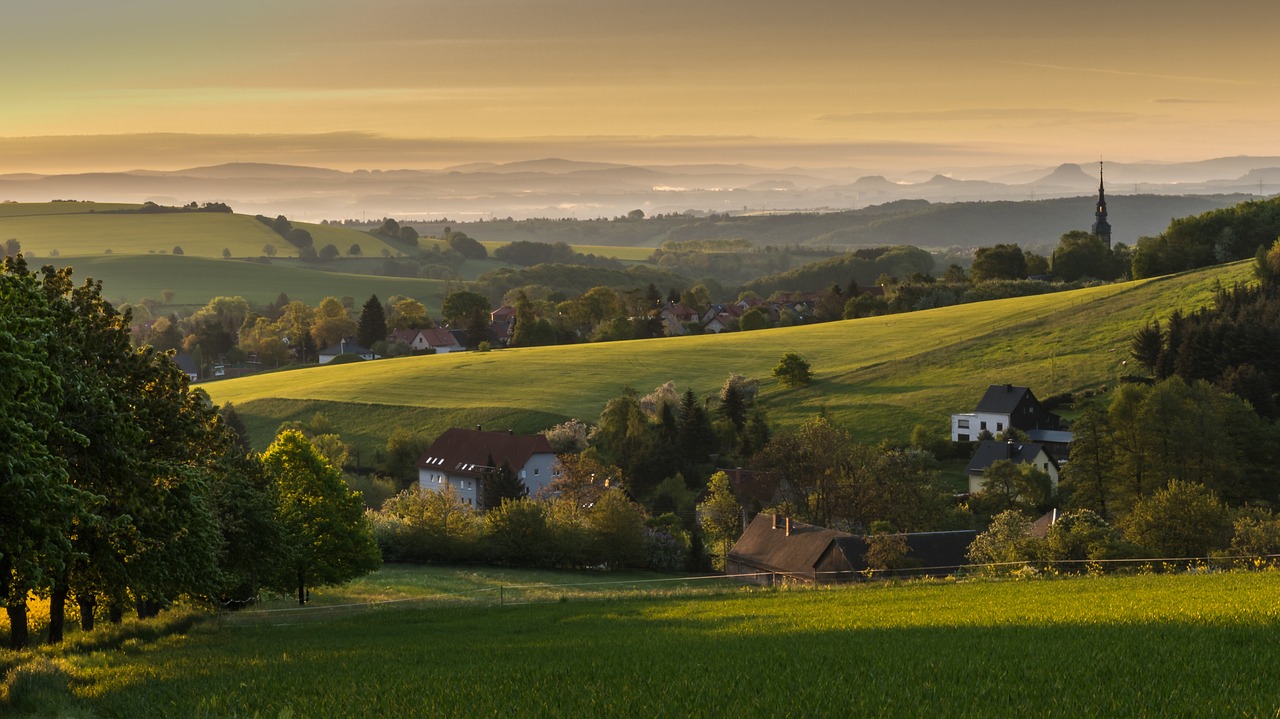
{"type": "Point", "coordinates": [428, 83]}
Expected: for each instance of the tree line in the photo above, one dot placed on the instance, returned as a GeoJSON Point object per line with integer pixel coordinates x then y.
{"type": "Point", "coordinates": [123, 487]}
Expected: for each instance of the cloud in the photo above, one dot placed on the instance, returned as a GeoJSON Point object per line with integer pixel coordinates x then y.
{"type": "Point", "coordinates": [1038, 115]}
{"type": "Point", "coordinates": [1134, 73]}
{"type": "Point", "coordinates": [1184, 101]}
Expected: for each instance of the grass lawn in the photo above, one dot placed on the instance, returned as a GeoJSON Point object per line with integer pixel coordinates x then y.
{"type": "Point", "coordinates": [1158, 645]}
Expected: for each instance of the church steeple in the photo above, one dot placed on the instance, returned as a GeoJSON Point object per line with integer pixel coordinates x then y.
{"type": "Point", "coordinates": [1101, 227]}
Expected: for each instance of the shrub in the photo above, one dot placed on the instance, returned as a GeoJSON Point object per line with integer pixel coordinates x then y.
{"type": "Point", "coordinates": [39, 687]}
{"type": "Point", "coordinates": [1184, 519]}
{"type": "Point", "coordinates": [177, 250]}
{"type": "Point", "coordinates": [1008, 539]}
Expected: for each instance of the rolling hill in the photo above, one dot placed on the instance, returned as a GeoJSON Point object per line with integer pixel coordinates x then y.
{"type": "Point", "coordinates": [877, 376]}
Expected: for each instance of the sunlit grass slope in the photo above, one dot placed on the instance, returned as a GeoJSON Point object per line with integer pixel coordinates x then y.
{"type": "Point", "coordinates": [1189, 645]}
{"type": "Point", "coordinates": [877, 376]}
{"type": "Point", "coordinates": [196, 280]}
{"type": "Point", "coordinates": [84, 229]}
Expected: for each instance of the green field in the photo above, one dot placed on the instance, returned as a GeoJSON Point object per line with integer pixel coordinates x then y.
{"type": "Point", "coordinates": [1155, 645]}
{"type": "Point", "coordinates": [878, 376]}
{"type": "Point", "coordinates": [196, 280]}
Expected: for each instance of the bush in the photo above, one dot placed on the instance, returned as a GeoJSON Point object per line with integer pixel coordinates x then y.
{"type": "Point", "coordinates": [1184, 519]}
{"type": "Point", "coordinates": [177, 250]}
{"type": "Point", "coordinates": [792, 370]}
{"type": "Point", "coordinates": [1007, 540]}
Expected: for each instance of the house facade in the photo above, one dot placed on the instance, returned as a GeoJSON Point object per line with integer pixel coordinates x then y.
{"type": "Point", "coordinates": [1003, 406]}
{"type": "Point", "coordinates": [461, 457]}
{"type": "Point", "coordinates": [346, 347]}
{"type": "Point", "coordinates": [992, 451]}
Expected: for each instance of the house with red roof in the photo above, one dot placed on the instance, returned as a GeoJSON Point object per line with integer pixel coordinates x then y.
{"type": "Point", "coordinates": [462, 456]}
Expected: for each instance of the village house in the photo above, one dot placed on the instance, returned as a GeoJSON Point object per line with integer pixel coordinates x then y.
{"type": "Point", "coordinates": [432, 340]}
{"type": "Point", "coordinates": [1003, 406]}
{"type": "Point", "coordinates": [346, 347]}
{"type": "Point", "coordinates": [780, 550]}
{"type": "Point", "coordinates": [992, 451]}
{"type": "Point", "coordinates": [461, 456]}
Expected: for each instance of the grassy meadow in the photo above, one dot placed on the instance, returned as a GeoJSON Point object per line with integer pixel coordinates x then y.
{"type": "Point", "coordinates": [877, 376]}
{"type": "Point", "coordinates": [196, 280]}
{"type": "Point", "coordinates": [1149, 645]}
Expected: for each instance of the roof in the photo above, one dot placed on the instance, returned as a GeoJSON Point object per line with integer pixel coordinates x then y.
{"type": "Point", "coordinates": [346, 347]}
{"type": "Point", "coordinates": [926, 550]}
{"type": "Point", "coordinates": [772, 549]}
{"type": "Point", "coordinates": [991, 451]}
{"type": "Point", "coordinates": [438, 337]}
{"type": "Point", "coordinates": [1040, 527]}
{"type": "Point", "coordinates": [405, 336]}
{"type": "Point", "coordinates": [466, 452]}
{"type": "Point", "coordinates": [1002, 398]}
{"type": "Point", "coordinates": [186, 363]}
{"type": "Point", "coordinates": [1056, 436]}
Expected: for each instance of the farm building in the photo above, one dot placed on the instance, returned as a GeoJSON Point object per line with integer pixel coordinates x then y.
{"type": "Point", "coordinates": [777, 549]}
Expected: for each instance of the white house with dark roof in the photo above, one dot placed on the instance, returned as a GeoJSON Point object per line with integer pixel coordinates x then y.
{"type": "Point", "coordinates": [992, 451]}
{"type": "Point", "coordinates": [1003, 406]}
{"type": "Point", "coordinates": [346, 347]}
{"type": "Point", "coordinates": [461, 456]}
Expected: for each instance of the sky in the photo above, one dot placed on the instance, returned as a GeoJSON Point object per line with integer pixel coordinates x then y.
{"type": "Point", "coordinates": [915, 84]}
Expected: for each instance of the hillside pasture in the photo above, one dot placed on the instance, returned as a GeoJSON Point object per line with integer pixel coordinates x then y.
{"type": "Point", "coordinates": [1152, 645]}
{"type": "Point", "coordinates": [196, 280]}
{"type": "Point", "coordinates": [877, 376]}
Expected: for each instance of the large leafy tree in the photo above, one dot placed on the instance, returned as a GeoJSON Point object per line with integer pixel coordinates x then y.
{"type": "Point", "coordinates": [37, 503]}
{"type": "Point", "coordinates": [327, 538]}
{"type": "Point", "coordinates": [720, 517]}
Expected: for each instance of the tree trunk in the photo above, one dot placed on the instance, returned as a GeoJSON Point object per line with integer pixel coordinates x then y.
{"type": "Point", "coordinates": [57, 611]}
{"type": "Point", "coordinates": [18, 633]}
{"type": "Point", "coordinates": [115, 613]}
{"type": "Point", "coordinates": [302, 590]}
{"type": "Point", "coordinates": [88, 604]}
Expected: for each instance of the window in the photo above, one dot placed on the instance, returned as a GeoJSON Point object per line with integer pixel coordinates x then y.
{"type": "Point", "coordinates": [999, 426]}
{"type": "Point", "coordinates": [982, 425]}
{"type": "Point", "coordinates": [962, 424]}
{"type": "Point", "coordinates": [535, 472]}
{"type": "Point", "coordinates": [962, 438]}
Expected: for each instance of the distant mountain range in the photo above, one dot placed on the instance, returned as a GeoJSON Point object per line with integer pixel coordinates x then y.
{"type": "Point", "coordinates": [560, 188]}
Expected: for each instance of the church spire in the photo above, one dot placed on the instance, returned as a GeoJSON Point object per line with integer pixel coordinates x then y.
{"type": "Point", "coordinates": [1101, 227]}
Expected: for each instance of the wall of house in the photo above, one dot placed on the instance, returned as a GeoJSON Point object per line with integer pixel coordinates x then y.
{"type": "Point", "coordinates": [967, 427]}
{"type": "Point", "coordinates": [1042, 463]}
{"type": "Point", "coordinates": [538, 472]}
{"type": "Point", "coordinates": [433, 480]}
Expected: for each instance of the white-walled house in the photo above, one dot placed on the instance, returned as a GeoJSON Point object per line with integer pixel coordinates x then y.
{"type": "Point", "coordinates": [992, 451]}
{"type": "Point", "coordinates": [346, 347]}
{"type": "Point", "coordinates": [461, 456]}
{"type": "Point", "coordinates": [1003, 406]}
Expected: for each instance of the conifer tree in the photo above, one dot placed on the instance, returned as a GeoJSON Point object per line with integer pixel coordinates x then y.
{"type": "Point", "coordinates": [373, 323]}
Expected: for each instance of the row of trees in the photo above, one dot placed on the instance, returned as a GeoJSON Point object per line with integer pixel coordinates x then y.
{"type": "Point", "coordinates": [120, 484]}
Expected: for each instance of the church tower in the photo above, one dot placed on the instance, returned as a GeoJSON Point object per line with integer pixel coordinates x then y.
{"type": "Point", "coordinates": [1102, 228]}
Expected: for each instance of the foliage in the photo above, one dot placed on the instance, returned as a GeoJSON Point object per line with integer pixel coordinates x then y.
{"type": "Point", "coordinates": [372, 326]}
{"type": "Point", "coordinates": [1216, 236]}
{"type": "Point", "coordinates": [720, 517]}
{"type": "Point", "coordinates": [327, 537]}
{"type": "Point", "coordinates": [1184, 519]}
{"type": "Point", "coordinates": [1007, 540]}
{"type": "Point", "coordinates": [999, 262]}
{"type": "Point", "coordinates": [792, 370]}
{"type": "Point", "coordinates": [421, 525]}
{"type": "Point", "coordinates": [569, 437]}
{"type": "Point", "coordinates": [1083, 254]}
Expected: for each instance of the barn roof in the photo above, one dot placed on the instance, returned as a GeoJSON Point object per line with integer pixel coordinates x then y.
{"type": "Point", "coordinates": [776, 550]}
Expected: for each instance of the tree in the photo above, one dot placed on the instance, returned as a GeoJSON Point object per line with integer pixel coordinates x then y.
{"type": "Point", "coordinates": [269, 250]}
{"type": "Point", "coordinates": [1007, 540]}
{"type": "Point", "coordinates": [1084, 254]}
{"type": "Point", "coordinates": [373, 323]}
{"type": "Point", "coordinates": [11, 248]}
{"type": "Point", "coordinates": [516, 532]}
{"type": "Point", "coordinates": [328, 252]}
{"type": "Point", "coordinates": [792, 370]}
{"type": "Point", "coordinates": [1182, 520]}
{"type": "Point", "coordinates": [177, 250]}
{"type": "Point", "coordinates": [1010, 486]}
{"type": "Point", "coordinates": [354, 250]}
{"type": "Point", "coordinates": [617, 530]}
{"type": "Point", "coordinates": [467, 247]}
{"type": "Point", "coordinates": [1086, 479]}
{"type": "Point", "coordinates": [332, 322]}
{"type": "Point", "coordinates": [327, 538]}
{"type": "Point", "coordinates": [499, 483]}
{"type": "Point", "coordinates": [408, 314]}
{"type": "Point", "coordinates": [720, 517]}
{"type": "Point", "coordinates": [1000, 262]}
{"type": "Point", "coordinates": [226, 253]}
{"type": "Point", "coordinates": [467, 310]}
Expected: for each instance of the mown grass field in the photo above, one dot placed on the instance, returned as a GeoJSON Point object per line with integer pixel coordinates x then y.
{"type": "Point", "coordinates": [877, 376]}
{"type": "Point", "coordinates": [1157, 645]}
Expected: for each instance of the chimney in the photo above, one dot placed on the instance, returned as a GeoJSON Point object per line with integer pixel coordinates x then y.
{"type": "Point", "coordinates": [788, 526]}
{"type": "Point", "coordinates": [511, 433]}
{"type": "Point", "coordinates": [1008, 388]}
{"type": "Point", "coordinates": [478, 428]}
{"type": "Point", "coordinates": [775, 521]}
{"type": "Point", "coordinates": [1008, 449]}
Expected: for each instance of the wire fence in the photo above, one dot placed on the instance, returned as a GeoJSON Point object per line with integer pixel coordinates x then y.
{"type": "Point", "coordinates": [542, 593]}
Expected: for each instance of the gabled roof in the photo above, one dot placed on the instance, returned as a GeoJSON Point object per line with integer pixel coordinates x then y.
{"type": "Point", "coordinates": [1002, 398]}
{"type": "Point", "coordinates": [405, 336]}
{"type": "Point", "coordinates": [437, 337]}
{"type": "Point", "coordinates": [991, 451]}
{"type": "Point", "coordinates": [346, 347]}
{"type": "Point", "coordinates": [927, 550]}
{"type": "Point", "coordinates": [466, 452]}
{"type": "Point", "coordinates": [772, 549]}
